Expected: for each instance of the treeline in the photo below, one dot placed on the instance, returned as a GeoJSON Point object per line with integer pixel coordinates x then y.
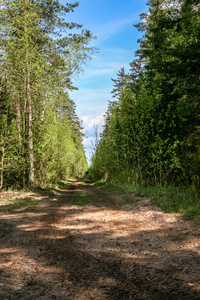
{"type": "Point", "coordinates": [40, 133]}
{"type": "Point", "coordinates": [152, 130]}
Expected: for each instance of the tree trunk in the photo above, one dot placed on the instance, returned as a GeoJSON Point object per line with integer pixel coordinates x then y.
{"type": "Point", "coordinates": [30, 114]}
{"type": "Point", "coordinates": [2, 165]}
{"type": "Point", "coordinates": [18, 119]}
{"type": "Point", "coordinates": [30, 121]}
{"type": "Point", "coordinates": [30, 137]}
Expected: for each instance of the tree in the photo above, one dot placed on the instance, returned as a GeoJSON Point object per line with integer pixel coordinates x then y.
{"type": "Point", "coordinates": [120, 84]}
{"type": "Point", "coordinates": [35, 42]}
{"type": "Point", "coordinates": [155, 122]}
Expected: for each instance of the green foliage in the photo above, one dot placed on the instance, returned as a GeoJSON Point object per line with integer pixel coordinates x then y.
{"type": "Point", "coordinates": [40, 133]}
{"type": "Point", "coordinates": [151, 135]}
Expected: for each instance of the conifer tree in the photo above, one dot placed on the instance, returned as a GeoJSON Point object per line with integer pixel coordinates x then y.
{"type": "Point", "coordinates": [121, 83]}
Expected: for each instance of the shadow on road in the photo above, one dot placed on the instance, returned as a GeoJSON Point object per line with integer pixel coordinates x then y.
{"type": "Point", "coordinates": [66, 249]}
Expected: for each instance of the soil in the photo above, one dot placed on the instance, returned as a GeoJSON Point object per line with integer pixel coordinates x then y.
{"type": "Point", "coordinates": [83, 243]}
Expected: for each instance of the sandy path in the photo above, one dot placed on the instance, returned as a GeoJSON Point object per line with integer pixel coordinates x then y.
{"type": "Point", "coordinates": [105, 249]}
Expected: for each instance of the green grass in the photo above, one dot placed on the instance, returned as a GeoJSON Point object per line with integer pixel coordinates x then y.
{"type": "Point", "coordinates": [62, 185]}
{"type": "Point", "coordinates": [18, 203]}
{"type": "Point", "coordinates": [46, 192]}
{"type": "Point", "coordinates": [169, 199]}
{"type": "Point", "coordinates": [84, 199]}
{"type": "Point", "coordinates": [24, 202]}
{"type": "Point", "coordinates": [127, 200]}
{"type": "Point", "coordinates": [100, 184]}
{"type": "Point", "coordinates": [70, 180]}
{"type": "Point", "coordinates": [110, 188]}
{"type": "Point", "coordinates": [81, 179]}
{"type": "Point", "coordinates": [82, 186]}
{"type": "Point", "coordinates": [116, 190]}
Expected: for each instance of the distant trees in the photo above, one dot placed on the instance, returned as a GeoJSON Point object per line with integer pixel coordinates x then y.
{"type": "Point", "coordinates": [40, 138]}
{"type": "Point", "coordinates": [152, 133]}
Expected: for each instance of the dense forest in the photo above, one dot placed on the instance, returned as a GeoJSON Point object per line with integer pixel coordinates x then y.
{"type": "Point", "coordinates": [152, 128]}
{"type": "Point", "coordinates": [40, 52]}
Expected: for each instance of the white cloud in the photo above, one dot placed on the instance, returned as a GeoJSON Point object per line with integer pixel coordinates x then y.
{"type": "Point", "coordinates": [89, 122]}
{"type": "Point", "coordinates": [93, 127]}
{"type": "Point", "coordinates": [98, 121]}
{"type": "Point", "coordinates": [84, 119]}
{"type": "Point", "coordinates": [91, 101]}
{"type": "Point", "coordinates": [110, 70]}
{"type": "Point", "coordinates": [107, 30]}
{"type": "Point", "coordinates": [98, 72]}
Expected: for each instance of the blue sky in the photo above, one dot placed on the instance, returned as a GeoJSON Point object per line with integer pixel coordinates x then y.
{"type": "Point", "coordinates": [112, 22]}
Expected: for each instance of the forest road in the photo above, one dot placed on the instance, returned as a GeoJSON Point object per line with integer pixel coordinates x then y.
{"type": "Point", "coordinates": [82, 243]}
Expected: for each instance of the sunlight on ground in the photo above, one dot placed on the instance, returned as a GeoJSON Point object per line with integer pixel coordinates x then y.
{"type": "Point", "coordinates": [60, 246]}
{"type": "Point", "coordinates": [8, 250]}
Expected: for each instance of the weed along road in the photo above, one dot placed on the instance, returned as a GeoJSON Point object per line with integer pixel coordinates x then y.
{"type": "Point", "coordinates": [81, 243]}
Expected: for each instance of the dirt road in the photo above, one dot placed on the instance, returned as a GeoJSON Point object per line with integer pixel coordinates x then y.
{"type": "Point", "coordinates": [82, 243]}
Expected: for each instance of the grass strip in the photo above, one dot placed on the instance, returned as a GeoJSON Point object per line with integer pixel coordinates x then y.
{"type": "Point", "coordinates": [17, 204]}
{"type": "Point", "coordinates": [169, 199]}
